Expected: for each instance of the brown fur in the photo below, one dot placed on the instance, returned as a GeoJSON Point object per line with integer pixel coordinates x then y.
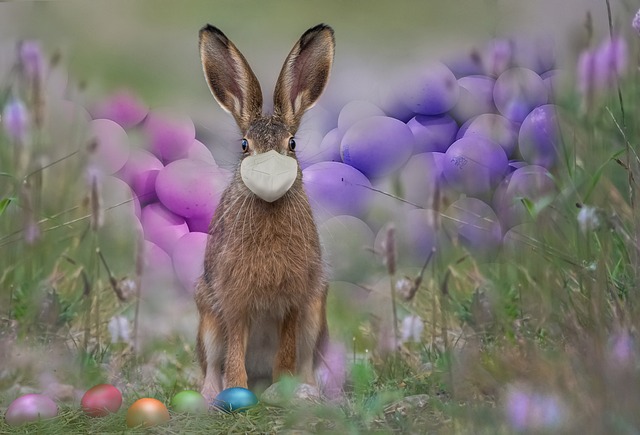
{"type": "Point", "coordinates": [262, 296]}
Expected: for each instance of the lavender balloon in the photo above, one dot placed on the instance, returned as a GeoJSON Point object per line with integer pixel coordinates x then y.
{"type": "Point", "coordinates": [533, 184]}
{"type": "Point", "coordinates": [420, 178]}
{"type": "Point", "coordinates": [432, 90]}
{"type": "Point", "coordinates": [170, 134]}
{"type": "Point", "coordinates": [474, 225]}
{"type": "Point", "coordinates": [475, 165]}
{"type": "Point", "coordinates": [476, 97]}
{"type": "Point", "coordinates": [191, 188]}
{"type": "Point", "coordinates": [30, 408]}
{"type": "Point", "coordinates": [432, 133]}
{"type": "Point", "coordinates": [355, 111]}
{"type": "Point", "coordinates": [496, 128]}
{"type": "Point", "coordinates": [336, 189]}
{"type": "Point", "coordinates": [539, 137]}
{"type": "Point", "coordinates": [377, 146]}
{"type": "Point", "coordinates": [140, 173]}
{"type": "Point", "coordinates": [162, 227]}
{"type": "Point", "coordinates": [518, 91]}
{"type": "Point", "coordinates": [188, 259]}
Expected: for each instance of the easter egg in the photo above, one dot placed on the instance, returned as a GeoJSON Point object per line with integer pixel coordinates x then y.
{"type": "Point", "coordinates": [309, 148]}
{"type": "Point", "coordinates": [147, 412]}
{"type": "Point", "coordinates": [497, 56]}
{"type": "Point", "coordinates": [377, 145]}
{"type": "Point", "coordinates": [191, 187]}
{"type": "Point", "coordinates": [420, 178]}
{"type": "Point", "coordinates": [432, 90]}
{"type": "Point", "coordinates": [188, 259]}
{"type": "Point", "coordinates": [348, 243]}
{"type": "Point", "coordinates": [432, 133]}
{"type": "Point", "coordinates": [101, 400]}
{"type": "Point", "coordinates": [336, 189]}
{"type": "Point", "coordinates": [162, 227]}
{"type": "Point", "coordinates": [189, 402]}
{"type": "Point", "coordinates": [30, 407]}
{"type": "Point", "coordinates": [356, 110]}
{"type": "Point", "coordinates": [111, 150]}
{"type": "Point", "coordinates": [235, 399]}
{"type": "Point", "coordinates": [496, 128]}
{"type": "Point", "coordinates": [518, 91]}
{"type": "Point", "coordinates": [199, 151]}
{"type": "Point", "coordinates": [539, 136]}
{"type": "Point", "coordinates": [170, 134]}
{"type": "Point", "coordinates": [474, 165]}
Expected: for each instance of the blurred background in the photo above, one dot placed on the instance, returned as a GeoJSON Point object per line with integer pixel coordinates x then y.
{"type": "Point", "coordinates": [151, 46]}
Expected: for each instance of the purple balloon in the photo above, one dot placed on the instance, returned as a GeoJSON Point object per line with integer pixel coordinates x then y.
{"type": "Point", "coordinates": [162, 227]}
{"type": "Point", "coordinates": [191, 188]}
{"type": "Point", "coordinates": [518, 91]}
{"type": "Point", "coordinates": [474, 225]}
{"type": "Point", "coordinates": [531, 183]}
{"type": "Point", "coordinates": [416, 236]}
{"type": "Point", "coordinates": [475, 165]}
{"type": "Point", "coordinates": [330, 146]}
{"type": "Point", "coordinates": [356, 110]}
{"type": "Point", "coordinates": [420, 178]}
{"type": "Point", "coordinates": [377, 146]}
{"type": "Point", "coordinates": [432, 133]}
{"type": "Point", "coordinates": [476, 97]}
{"type": "Point", "coordinates": [188, 259]}
{"type": "Point", "coordinates": [170, 135]}
{"type": "Point", "coordinates": [496, 128]}
{"type": "Point", "coordinates": [112, 145]}
{"type": "Point", "coordinates": [336, 189]}
{"type": "Point", "coordinates": [30, 408]}
{"type": "Point", "coordinates": [312, 147]}
{"type": "Point", "coordinates": [539, 137]}
{"type": "Point", "coordinates": [140, 173]}
{"type": "Point", "coordinates": [463, 128]}
{"type": "Point", "coordinates": [122, 107]}
{"type": "Point", "coordinates": [431, 91]}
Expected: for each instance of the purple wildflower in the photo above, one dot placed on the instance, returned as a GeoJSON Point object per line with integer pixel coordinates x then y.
{"type": "Point", "coordinates": [621, 349]}
{"type": "Point", "coordinates": [333, 369]}
{"type": "Point", "coordinates": [635, 23]}
{"type": "Point", "coordinates": [611, 60]}
{"type": "Point", "coordinates": [31, 59]}
{"type": "Point", "coordinates": [527, 410]}
{"type": "Point", "coordinates": [15, 120]}
{"type": "Point", "coordinates": [411, 330]}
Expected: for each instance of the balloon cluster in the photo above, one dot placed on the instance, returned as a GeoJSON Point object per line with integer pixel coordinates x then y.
{"type": "Point", "coordinates": [474, 139]}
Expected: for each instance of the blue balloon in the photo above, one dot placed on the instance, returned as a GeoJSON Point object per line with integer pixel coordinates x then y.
{"type": "Point", "coordinates": [235, 399]}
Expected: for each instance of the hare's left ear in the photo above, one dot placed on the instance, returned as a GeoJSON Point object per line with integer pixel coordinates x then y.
{"type": "Point", "coordinates": [304, 74]}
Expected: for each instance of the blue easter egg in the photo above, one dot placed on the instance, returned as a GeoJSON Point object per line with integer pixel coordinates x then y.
{"type": "Point", "coordinates": [236, 399]}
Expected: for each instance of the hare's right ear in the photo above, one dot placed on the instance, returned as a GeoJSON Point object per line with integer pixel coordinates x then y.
{"type": "Point", "coordinates": [231, 80]}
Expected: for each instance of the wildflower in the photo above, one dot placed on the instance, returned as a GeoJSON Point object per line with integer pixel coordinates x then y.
{"type": "Point", "coordinates": [333, 369]}
{"type": "Point", "coordinates": [15, 121]}
{"type": "Point", "coordinates": [31, 60]}
{"type": "Point", "coordinates": [405, 288]}
{"type": "Point", "coordinates": [119, 329]}
{"type": "Point", "coordinates": [621, 349]}
{"type": "Point", "coordinates": [635, 23]}
{"type": "Point", "coordinates": [412, 327]}
{"type": "Point", "coordinates": [611, 60]}
{"type": "Point", "coordinates": [588, 219]}
{"type": "Point", "coordinates": [531, 411]}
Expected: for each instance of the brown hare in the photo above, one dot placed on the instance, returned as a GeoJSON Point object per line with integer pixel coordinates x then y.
{"type": "Point", "coordinates": [262, 295]}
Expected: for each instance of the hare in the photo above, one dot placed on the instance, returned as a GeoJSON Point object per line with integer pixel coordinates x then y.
{"type": "Point", "coordinates": [262, 296]}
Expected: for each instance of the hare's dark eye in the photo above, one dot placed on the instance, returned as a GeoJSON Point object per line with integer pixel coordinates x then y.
{"type": "Point", "coordinates": [292, 144]}
{"type": "Point", "coordinates": [245, 144]}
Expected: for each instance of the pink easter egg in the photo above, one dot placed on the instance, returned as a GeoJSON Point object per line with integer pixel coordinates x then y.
{"type": "Point", "coordinates": [140, 172]}
{"type": "Point", "coordinates": [170, 134]}
{"type": "Point", "coordinates": [162, 227]}
{"type": "Point", "coordinates": [111, 145]}
{"type": "Point", "coordinates": [188, 259]}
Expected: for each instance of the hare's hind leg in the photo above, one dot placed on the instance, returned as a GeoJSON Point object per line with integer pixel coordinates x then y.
{"type": "Point", "coordinates": [285, 361]}
{"type": "Point", "coordinates": [211, 350]}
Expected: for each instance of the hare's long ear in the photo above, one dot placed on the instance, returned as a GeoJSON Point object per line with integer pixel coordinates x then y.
{"type": "Point", "coordinates": [304, 74]}
{"type": "Point", "coordinates": [231, 80]}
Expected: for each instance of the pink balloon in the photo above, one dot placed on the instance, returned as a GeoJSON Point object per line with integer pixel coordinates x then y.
{"type": "Point", "coordinates": [112, 145]}
{"type": "Point", "coordinates": [188, 259]}
{"type": "Point", "coordinates": [140, 172]}
{"type": "Point", "coordinates": [191, 188]}
{"type": "Point", "coordinates": [162, 227]}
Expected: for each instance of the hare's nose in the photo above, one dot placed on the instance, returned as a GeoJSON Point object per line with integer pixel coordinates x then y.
{"type": "Point", "coordinates": [269, 175]}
